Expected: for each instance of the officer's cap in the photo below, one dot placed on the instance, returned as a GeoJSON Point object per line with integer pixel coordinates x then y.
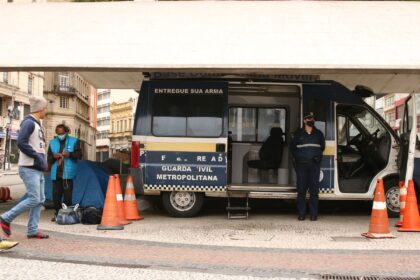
{"type": "Point", "coordinates": [309, 116]}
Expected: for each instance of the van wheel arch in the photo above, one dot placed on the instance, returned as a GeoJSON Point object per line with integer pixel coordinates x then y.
{"type": "Point", "coordinates": [182, 204]}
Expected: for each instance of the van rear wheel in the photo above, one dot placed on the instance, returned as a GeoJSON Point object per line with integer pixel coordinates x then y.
{"type": "Point", "coordinates": [392, 197]}
{"type": "Point", "coordinates": [182, 204]}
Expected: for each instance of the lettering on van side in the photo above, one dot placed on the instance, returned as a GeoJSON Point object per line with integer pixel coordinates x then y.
{"type": "Point", "coordinates": [182, 177]}
{"type": "Point", "coordinates": [183, 168]}
{"type": "Point", "coordinates": [189, 90]}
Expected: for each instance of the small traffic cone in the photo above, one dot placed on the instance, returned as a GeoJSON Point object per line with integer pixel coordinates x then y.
{"type": "Point", "coordinates": [403, 195]}
{"type": "Point", "coordinates": [130, 202]}
{"type": "Point", "coordinates": [120, 203]}
{"type": "Point", "coordinates": [110, 214]}
{"type": "Point", "coordinates": [379, 225]}
{"type": "Point", "coordinates": [411, 220]}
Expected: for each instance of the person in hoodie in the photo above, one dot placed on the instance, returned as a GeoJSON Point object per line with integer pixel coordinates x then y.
{"type": "Point", "coordinates": [32, 164]}
{"type": "Point", "coordinates": [63, 153]}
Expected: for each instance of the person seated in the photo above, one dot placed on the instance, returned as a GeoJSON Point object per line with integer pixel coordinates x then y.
{"type": "Point", "coordinates": [271, 151]}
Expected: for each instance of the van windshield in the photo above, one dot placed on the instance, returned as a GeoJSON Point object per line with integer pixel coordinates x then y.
{"type": "Point", "coordinates": [369, 122]}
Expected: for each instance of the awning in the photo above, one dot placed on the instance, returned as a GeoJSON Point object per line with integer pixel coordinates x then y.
{"type": "Point", "coordinates": [372, 43]}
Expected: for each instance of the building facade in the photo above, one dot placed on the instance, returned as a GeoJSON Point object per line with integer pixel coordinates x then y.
{"type": "Point", "coordinates": [72, 101]}
{"type": "Point", "coordinates": [103, 125]}
{"type": "Point", "coordinates": [15, 90]}
{"type": "Point", "coordinates": [122, 119]}
{"type": "Point", "coordinates": [393, 108]}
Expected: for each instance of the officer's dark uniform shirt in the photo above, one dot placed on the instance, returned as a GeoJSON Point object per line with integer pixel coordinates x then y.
{"type": "Point", "coordinates": [307, 148]}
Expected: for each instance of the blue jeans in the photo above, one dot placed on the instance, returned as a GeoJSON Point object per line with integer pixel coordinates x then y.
{"type": "Point", "coordinates": [32, 200]}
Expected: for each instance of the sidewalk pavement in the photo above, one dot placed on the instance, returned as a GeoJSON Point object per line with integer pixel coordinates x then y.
{"type": "Point", "coordinates": [10, 177]}
{"type": "Point", "coordinates": [13, 170]}
{"type": "Point", "coordinates": [269, 244]}
{"type": "Point", "coordinates": [267, 230]}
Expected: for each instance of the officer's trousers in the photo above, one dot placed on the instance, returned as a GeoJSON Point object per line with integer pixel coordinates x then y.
{"type": "Point", "coordinates": [307, 179]}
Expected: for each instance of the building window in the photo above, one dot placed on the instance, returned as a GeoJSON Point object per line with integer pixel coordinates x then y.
{"type": "Point", "coordinates": [26, 110]}
{"type": "Point", "coordinates": [5, 77]}
{"type": "Point", "coordinates": [64, 81]}
{"type": "Point", "coordinates": [125, 125]}
{"type": "Point", "coordinates": [118, 126]}
{"type": "Point", "coordinates": [389, 101]}
{"type": "Point", "coordinates": [64, 102]}
{"type": "Point", "coordinates": [30, 84]}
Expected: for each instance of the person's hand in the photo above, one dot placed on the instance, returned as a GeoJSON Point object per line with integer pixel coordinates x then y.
{"type": "Point", "coordinates": [66, 154]}
{"type": "Point", "coordinates": [57, 156]}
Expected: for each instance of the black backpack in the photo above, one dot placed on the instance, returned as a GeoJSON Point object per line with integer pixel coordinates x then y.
{"type": "Point", "coordinates": [91, 215]}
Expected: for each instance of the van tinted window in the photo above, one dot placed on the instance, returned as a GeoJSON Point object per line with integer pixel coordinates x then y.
{"type": "Point", "coordinates": [191, 115]}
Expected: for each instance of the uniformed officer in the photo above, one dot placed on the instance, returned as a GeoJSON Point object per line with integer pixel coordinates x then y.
{"type": "Point", "coordinates": [306, 148]}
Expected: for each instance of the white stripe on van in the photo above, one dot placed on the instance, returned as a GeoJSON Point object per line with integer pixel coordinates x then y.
{"type": "Point", "coordinates": [143, 139]}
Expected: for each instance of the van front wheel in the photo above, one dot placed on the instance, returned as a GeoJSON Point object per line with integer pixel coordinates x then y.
{"type": "Point", "coordinates": [182, 204]}
{"type": "Point", "coordinates": [392, 197]}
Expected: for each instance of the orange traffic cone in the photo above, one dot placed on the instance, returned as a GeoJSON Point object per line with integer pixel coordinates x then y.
{"type": "Point", "coordinates": [7, 196]}
{"type": "Point", "coordinates": [411, 220]}
{"type": "Point", "coordinates": [379, 225]}
{"type": "Point", "coordinates": [2, 194]}
{"type": "Point", "coordinates": [403, 195]}
{"type": "Point", "coordinates": [120, 203]}
{"type": "Point", "coordinates": [130, 202]}
{"type": "Point", "coordinates": [110, 213]}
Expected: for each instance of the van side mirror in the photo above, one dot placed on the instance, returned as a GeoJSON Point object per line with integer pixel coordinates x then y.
{"type": "Point", "coordinates": [363, 91]}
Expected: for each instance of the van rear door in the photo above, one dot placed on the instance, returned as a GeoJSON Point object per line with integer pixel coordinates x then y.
{"type": "Point", "coordinates": [185, 149]}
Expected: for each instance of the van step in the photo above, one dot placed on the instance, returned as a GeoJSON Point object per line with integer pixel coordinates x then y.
{"type": "Point", "coordinates": [238, 215]}
{"type": "Point", "coordinates": [240, 211]}
{"type": "Point", "coordinates": [238, 208]}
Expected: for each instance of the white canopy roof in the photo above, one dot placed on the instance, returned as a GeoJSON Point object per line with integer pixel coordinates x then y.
{"type": "Point", "coordinates": [371, 43]}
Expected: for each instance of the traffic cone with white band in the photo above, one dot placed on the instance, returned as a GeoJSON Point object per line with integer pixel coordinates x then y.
{"type": "Point", "coordinates": [110, 214]}
{"type": "Point", "coordinates": [130, 202]}
{"type": "Point", "coordinates": [120, 202]}
{"type": "Point", "coordinates": [403, 195]}
{"type": "Point", "coordinates": [379, 224]}
{"type": "Point", "coordinates": [411, 220]}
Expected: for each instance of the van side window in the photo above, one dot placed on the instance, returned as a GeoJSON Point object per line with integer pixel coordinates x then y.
{"type": "Point", "coordinates": [254, 124]}
{"type": "Point", "coordinates": [187, 115]}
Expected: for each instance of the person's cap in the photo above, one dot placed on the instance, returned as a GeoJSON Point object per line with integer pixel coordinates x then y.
{"type": "Point", "coordinates": [37, 103]}
{"type": "Point", "coordinates": [308, 116]}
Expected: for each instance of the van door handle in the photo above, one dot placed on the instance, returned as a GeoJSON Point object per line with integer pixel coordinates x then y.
{"type": "Point", "coordinates": [221, 148]}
